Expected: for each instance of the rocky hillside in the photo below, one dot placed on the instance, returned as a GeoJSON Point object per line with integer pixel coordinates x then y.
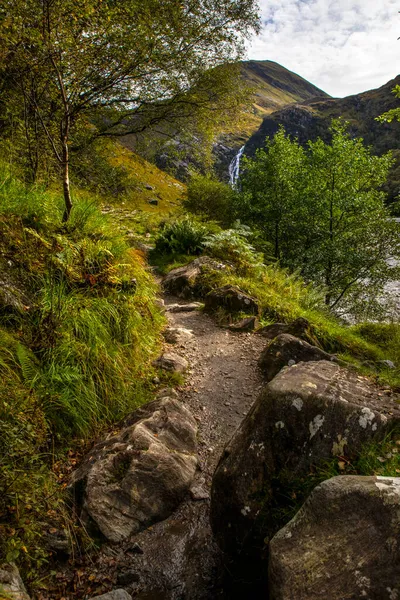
{"type": "Point", "coordinates": [274, 87]}
{"type": "Point", "coordinates": [310, 119]}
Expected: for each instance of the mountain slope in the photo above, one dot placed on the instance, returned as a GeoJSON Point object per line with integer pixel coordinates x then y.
{"type": "Point", "coordinates": [310, 119]}
{"type": "Point", "coordinates": [275, 86]}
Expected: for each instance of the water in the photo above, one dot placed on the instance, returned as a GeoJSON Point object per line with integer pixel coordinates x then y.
{"type": "Point", "coordinates": [234, 167]}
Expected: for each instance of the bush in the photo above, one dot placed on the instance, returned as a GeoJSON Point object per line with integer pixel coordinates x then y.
{"type": "Point", "coordinates": [211, 199]}
{"type": "Point", "coordinates": [231, 245]}
{"type": "Point", "coordinates": [185, 236]}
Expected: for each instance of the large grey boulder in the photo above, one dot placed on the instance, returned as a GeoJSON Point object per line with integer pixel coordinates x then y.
{"type": "Point", "coordinates": [309, 413]}
{"type": "Point", "coordinates": [287, 350]}
{"type": "Point", "coordinates": [11, 583]}
{"type": "Point", "coordinates": [232, 299]}
{"type": "Point", "coordinates": [343, 543]}
{"type": "Point", "coordinates": [185, 281]}
{"type": "Point", "coordinates": [138, 476]}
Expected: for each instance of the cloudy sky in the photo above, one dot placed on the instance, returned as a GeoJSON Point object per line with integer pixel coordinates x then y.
{"type": "Point", "coordinates": [342, 46]}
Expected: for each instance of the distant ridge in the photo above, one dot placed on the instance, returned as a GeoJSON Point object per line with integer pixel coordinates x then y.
{"type": "Point", "coordinates": [275, 86]}
{"type": "Point", "coordinates": [311, 118]}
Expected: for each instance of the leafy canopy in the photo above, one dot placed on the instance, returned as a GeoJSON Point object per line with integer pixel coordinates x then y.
{"type": "Point", "coordinates": [323, 213]}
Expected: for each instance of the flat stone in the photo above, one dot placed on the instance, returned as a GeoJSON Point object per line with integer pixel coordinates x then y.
{"type": "Point", "coordinates": [171, 362]}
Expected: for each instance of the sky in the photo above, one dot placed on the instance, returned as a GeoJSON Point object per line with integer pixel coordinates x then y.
{"type": "Point", "coordinates": [342, 46]}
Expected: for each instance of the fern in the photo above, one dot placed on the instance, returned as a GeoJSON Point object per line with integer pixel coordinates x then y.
{"type": "Point", "coordinates": [29, 365]}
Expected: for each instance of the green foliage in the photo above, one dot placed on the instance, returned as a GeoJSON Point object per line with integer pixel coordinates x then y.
{"type": "Point", "coordinates": [184, 236]}
{"type": "Point", "coordinates": [210, 199]}
{"type": "Point", "coordinates": [231, 246]}
{"type": "Point", "coordinates": [394, 113]}
{"type": "Point", "coordinates": [322, 212]}
{"type": "Point", "coordinates": [57, 97]}
{"type": "Point", "coordinates": [74, 360]}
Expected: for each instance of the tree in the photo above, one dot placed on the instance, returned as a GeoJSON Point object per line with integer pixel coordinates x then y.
{"type": "Point", "coordinates": [326, 204]}
{"type": "Point", "coordinates": [270, 189]}
{"type": "Point", "coordinates": [89, 68]}
{"type": "Point", "coordinates": [394, 113]}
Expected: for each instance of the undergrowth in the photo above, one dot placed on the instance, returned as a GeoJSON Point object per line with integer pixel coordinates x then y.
{"type": "Point", "coordinates": [79, 326]}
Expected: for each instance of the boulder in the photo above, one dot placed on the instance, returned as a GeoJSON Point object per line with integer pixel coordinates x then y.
{"type": "Point", "coordinates": [171, 362]}
{"type": "Point", "coordinates": [177, 335]}
{"type": "Point", "coordinates": [11, 583]}
{"type": "Point", "coordinates": [308, 414]}
{"type": "Point", "coordinates": [185, 281]}
{"type": "Point", "coordinates": [343, 543]}
{"type": "Point", "coordinates": [299, 328]}
{"type": "Point", "coordinates": [191, 307]}
{"type": "Point", "coordinates": [232, 299]}
{"type": "Point", "coordinates": [287, 350]}
{"type": "Point", "coordinates": [244, 325]}
{"type": "Point", "coordinates": [114, 595]}
{"type": "Point", "coordinates": [139, 475]}
{"type": "Point", "coordinates": [153, 201]}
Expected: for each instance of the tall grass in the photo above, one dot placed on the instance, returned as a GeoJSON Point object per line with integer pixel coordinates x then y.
{"type": "Point", "coordinates": [75, 358]}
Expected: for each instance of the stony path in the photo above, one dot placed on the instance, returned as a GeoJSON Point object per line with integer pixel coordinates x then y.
{"type": "Point", "coordinates": [223, 379]}
{"type": "Point", "coordinates": [180, 560]}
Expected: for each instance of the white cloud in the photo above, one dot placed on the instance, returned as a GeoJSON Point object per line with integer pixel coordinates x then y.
{"type": "Point", "coordinates": [342, 46]}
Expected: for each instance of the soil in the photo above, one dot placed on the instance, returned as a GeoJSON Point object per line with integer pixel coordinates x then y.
{"type": "Point", "coordinates": [177, 559]}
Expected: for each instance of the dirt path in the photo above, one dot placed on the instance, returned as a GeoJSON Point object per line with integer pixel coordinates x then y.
{"type": "Point", "coordinates": [180, 561]}
{"type": "Point", "coordinates": [177, 559]}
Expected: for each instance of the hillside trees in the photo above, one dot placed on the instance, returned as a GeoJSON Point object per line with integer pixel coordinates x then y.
{"type": "Point", "coordinates": [72, 71]}
{"type": "Point", "coordinates": [322, 211]}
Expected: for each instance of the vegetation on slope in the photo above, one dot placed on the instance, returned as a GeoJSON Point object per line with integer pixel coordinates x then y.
{"type": "Point", "coordinates": [312, 119]}
{"type": "Point", "coordinates": [79, 326]}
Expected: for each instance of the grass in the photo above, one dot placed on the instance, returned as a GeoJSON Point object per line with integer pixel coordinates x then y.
{"type": "Point", "coordinates": [76, 346]}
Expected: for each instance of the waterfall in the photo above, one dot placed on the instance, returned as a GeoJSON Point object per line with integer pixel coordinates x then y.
{"type": "Point", "coordinates": [234, 167]}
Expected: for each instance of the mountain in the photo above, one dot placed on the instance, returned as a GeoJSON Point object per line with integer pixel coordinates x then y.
{"type": "Point", "coordinates": [311, 118]}
{"type": "Point", "coordinates": [273, 87]}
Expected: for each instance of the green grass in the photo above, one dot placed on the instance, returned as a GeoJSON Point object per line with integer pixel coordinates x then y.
{"type": "Point", "coordinates": [75, 356]}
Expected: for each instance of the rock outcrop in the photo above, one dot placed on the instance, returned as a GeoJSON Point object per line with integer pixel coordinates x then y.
{"type": "Point", "coordinates": [343, 543]}
{"type": "Point", "coordinates": [299, 328]}
{"type": "Point", "coordinates": [184, 282]}
{"type": "Point", "coordinates": [307, 414]}
{"type": "Point", "coordinates": [11, 583]}
{"type": "Point", "coordinates": [138, 476]}
{"type": "Point", "coordinates": [287, 350]}
{"type": "Point", "coordinates": [232, 299]}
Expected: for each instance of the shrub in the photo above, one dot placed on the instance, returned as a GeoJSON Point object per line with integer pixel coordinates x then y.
{"type": "Point", "coordinates": [185, 236]}
{"type": "Point", "coordinates": [231, 245]}
{"type": "Point", "coordinates": [211, 199]}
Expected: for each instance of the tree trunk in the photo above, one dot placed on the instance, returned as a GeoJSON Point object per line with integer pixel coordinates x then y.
{"type": "Point", "coordinates": [66, 188]}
